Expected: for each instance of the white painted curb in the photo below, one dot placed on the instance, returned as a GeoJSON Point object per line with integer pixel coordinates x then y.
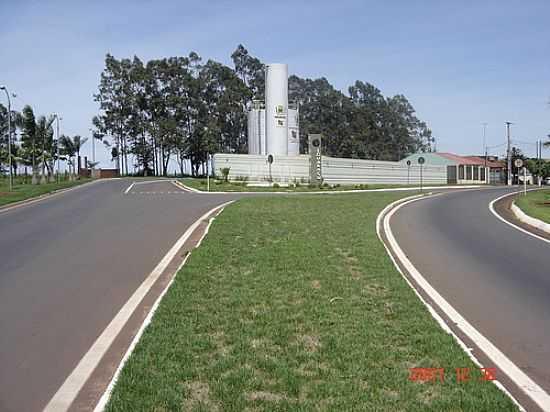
{"type": "Point", "coordinates": [100, 407]}
{"type": "Point", "coordinates": [506, 366]}
{"type": "Point", "coordinates": [329, 192]}
{"type": "Point", "coordinates": [189, 189]}
{"type": "Point", "coordinates": [525, 218]}
{"type": "Point", "coordinates": [494, 212]}
{"type": "Point", "coordinates": [67, 393]}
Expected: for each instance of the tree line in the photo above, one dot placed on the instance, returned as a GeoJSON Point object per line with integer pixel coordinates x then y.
{"type": "Point", "coordinates": [183, 108]}
{"type": "Point", "coordinates": [34, 146]}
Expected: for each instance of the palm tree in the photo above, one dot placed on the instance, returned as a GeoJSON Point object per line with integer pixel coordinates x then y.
{"type": "Point", "coordinates": [44, 132]}
{"type": "Point", "coordinates": [67, 148]}
{"type": "Point", "coordinates": [78, 142]}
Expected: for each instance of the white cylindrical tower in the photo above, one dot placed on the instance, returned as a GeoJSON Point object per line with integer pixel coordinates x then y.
{"type": "Point", "coordinates": [252, 135]}
{"type": "Point", "coordinates": [261, 132]}
{"type": "Point", "coordinates": [276, 108]}
{"type": "Point", "coordinates": [293, 132]}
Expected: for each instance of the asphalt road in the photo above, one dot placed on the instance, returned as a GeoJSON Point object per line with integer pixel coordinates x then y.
{"type": "Point", "coordinates": [67, 265]}
{"type": "Point", "coordinates": [497, 277]}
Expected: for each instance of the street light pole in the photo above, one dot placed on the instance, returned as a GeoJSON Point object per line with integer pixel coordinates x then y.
{"type": "Point", "coordinates": [9, 137]}
{"type": "Point", "coordinates": [57, 119]}
{"type": "Point", "coordinates": [509, 154]}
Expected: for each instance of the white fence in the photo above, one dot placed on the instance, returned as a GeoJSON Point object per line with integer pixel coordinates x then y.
{"type": "Point", "coordinates": [288, 169]}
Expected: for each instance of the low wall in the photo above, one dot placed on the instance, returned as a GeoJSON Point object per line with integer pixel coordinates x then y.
{"type": "Point", "coordinates": [334, 170]}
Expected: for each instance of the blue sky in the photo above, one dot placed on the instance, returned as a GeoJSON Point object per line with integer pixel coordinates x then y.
{"type": "Point", "coordinates": [459, 63]}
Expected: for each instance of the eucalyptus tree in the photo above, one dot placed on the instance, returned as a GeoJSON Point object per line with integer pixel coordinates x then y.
{"type": "Point", "coordinates": [251, 71]}
{"type": "Point", "coordinates": [225, 96]}
{"type": "Point", "coordinates": [181, 106]}
{"type": "Point", "coordinates": [115, 102]}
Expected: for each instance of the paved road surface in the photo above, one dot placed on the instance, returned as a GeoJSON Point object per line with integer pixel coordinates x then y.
{"type": "Point", "coordinates": [67, 265]}
{"type": "Point", "coordinates": [497, 277]}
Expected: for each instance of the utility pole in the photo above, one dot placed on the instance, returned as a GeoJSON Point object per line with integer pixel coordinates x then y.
{"type": "Point", "coordinates": [484, 143]}
{"type": "Point", "coordinates": [208, 161]}
{"type": "Point", "coordinates": [9, 137]}
{"type": "Point", "coordinates": [509, 154]}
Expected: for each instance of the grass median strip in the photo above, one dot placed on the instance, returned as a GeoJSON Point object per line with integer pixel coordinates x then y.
{"type": "Point", "coordinates": [291, 304]}
{"type": "Point", "coordinates": [28, 191]}
{"type": "Point", "coordinates": [536, 204]}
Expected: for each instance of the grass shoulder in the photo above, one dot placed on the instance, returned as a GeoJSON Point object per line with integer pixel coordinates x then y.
{"type": "Point", "coordinates": [24, 191]}
{"type": "Point", "coordinates": [292, 304]}
{"type": "Point", "coordinates": [536, 204]}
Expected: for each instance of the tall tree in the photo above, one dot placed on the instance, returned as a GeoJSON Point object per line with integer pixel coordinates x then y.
{"type": "Point", "coordinates": [29, 141]}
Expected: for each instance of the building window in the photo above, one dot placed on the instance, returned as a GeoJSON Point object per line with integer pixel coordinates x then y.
{"type": "Point", "coordinates": [468, 172]}
{"type": "Point", "coordinates": [476, 172]}
{"type": "Point", "coordinates": [482, 176]}
{"type": "Point", "coordinates": [461, 172]}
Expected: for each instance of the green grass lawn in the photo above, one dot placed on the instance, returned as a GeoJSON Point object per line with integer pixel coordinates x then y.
{"type": "Point", "coordinates": [536, 204]}
{"type": "Point", "coordinates": [292, 304]}
{"type": "Point", "coordinates": [221, 186]}
{"type": "Point", "coordinates": [22, 191]}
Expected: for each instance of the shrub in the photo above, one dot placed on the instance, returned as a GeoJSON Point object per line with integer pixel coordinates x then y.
{"type": "Point", "coordinates": [241, 178]}
{"type": "Point", "coordinates": [275, 185]}
{"type": "Point", "coordinates": [225, 173]}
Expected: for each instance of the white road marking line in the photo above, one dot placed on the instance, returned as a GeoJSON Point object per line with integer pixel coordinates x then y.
{"type": "Point", "coordinates": [107, 394]}
{"type": "Point", "coordinates": [67, 393]}
{"type": "Point", "coordinates": [129, 188]}
{"type": "Point", "coordinates": [494, 212]}
{"type": "Point", "coordinates": [524, 382]}
{"type": "Point", "coordinates": [181, 187]}
{"type": "Point", "coordinates": [152, 181]}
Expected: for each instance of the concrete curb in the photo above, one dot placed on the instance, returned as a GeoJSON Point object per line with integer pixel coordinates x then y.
{"type": "Point", "coordinates": [330, 192]}
{"type": "Point", "coordinates": [45, 196]}
{"type": "Point", "coordinates": [531, 221]}
{"type": "Point", "coordinates": [528, 231]}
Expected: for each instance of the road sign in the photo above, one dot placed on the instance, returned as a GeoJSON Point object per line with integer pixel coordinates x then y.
{"type": "Point", "coordinates": [421, 161]}
{"type": "Point", "coordinates": [518, 162]}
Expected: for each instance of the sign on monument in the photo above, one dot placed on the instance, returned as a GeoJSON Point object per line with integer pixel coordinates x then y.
{"type": "Point", "coordinates": [315, 171]}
